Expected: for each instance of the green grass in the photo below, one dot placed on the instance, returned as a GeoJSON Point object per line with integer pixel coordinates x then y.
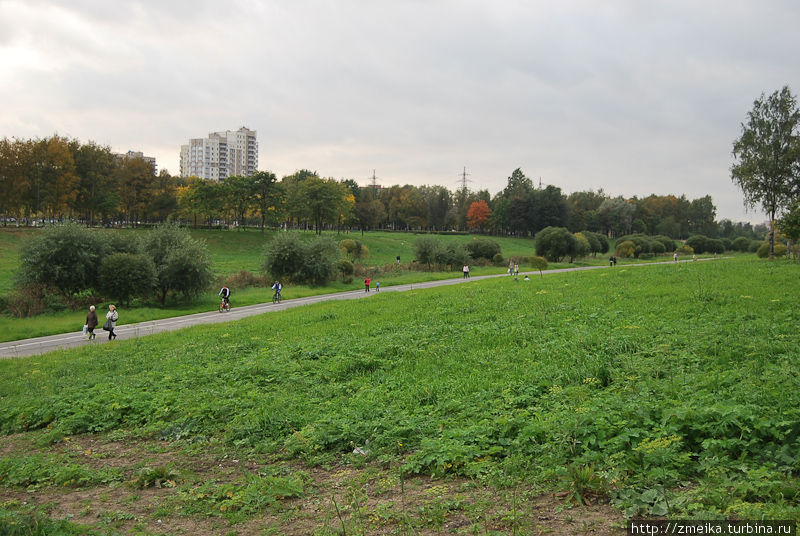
{"type": "Point", "coordinates": [670, 389]}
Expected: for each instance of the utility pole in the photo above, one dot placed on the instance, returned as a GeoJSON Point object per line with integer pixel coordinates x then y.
{"type": "Point", "coordinates": [464, 180]}
{"type": "Point", "coordinates": [374, 181]}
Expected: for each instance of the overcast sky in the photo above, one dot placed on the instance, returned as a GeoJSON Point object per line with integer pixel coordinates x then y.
{"type": "Point", "coordinates": [634, 97]}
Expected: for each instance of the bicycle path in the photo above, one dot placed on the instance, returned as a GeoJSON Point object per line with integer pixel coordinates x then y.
{"type": "Point", "coordinates": [41, 345]}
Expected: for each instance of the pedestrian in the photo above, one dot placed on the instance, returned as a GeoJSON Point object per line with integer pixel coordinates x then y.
{"type": "Point", "coordinates": [91, 323]}
{"type": "Point", "coordinates": [111, 321]}
{"type": "Point", "coordinates": [611, 261]}
{"type": "Point", "coordinates": [615, 260]}
{"type": "Point", "coordinates": [527, 278]}
{"type": "Point", "coordinates": [466, 271]}
{"type": "Point", "coordinates": [366, 285]}
{"type": "Point", "coordinates": [377, 286]}
{"type": "Point", "coordinates": [694, 257]}
{"type": "Point", "coordinates": [516, 270]}
{"type": "Point", "coordinates": [398, 259]}
{"type": "Point", "coordinates": [675, 256]}
{"type": "Point", "coordinates": [510, 268]}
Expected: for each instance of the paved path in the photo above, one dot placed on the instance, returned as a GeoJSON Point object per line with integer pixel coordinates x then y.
{"type": "Point", "coordinates": [41, 345]}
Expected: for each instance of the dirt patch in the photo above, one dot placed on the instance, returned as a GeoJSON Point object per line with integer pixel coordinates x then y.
{"type": "Point", "coordinates": [368, 499]}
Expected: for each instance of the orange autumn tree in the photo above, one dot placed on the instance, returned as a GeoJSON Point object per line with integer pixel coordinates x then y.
{"type": "Point", "coordinates": [478, 214]}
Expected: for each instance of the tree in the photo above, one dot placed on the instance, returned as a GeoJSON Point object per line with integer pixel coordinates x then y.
{"type": "Point", "coordinates": [182, 263]}
{"type": "Point", "coordinates": [767, 156]}
{"type": "Point", "coordinates": [136, 178]}
{"type": "Point", "coordinates": [555, 243]}
{"type": "Point", "coordinates": [239, 193]}
{"type": "Point", "coordinates": [268, 197]}
{"type": "Point", "coordinates": [14, 183]}
{"type": "Point", "coordinates": [63, 256]}
{"type": "Point", "coordinates": [478, 214]}
{"type": "Point", "coordinates": [123, 276]}
{"type": "Point", "coordinates": [96, 192]}
{"type": "Point", "coordinates": [616, 215]}
{"type": "Point", "coordinates": [789, 225]}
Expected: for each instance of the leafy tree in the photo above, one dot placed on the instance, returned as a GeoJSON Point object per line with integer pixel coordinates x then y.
{"type": "Point", "coordinates": [625, 249]}
{"type": "Point", "coordinates": [789, 225]}
{"type": "Point", "coordinates": [741, 243]}
{"type": "Point", "coordinates": [283, 256]}
{"type": "Point", "coordinates": [483, 248]}
{"type": "Point", "coordinates": [616, 215]}
{"type": "Point", "coordinates": [268, 197]}
{"type": "Point", "coordinates": [320, 258]}
{"type": "Point", "coordinates": [369, 213]}
{"type": "Point", "coordinates": [164, 201]}
{"type": "Point", "coordinates": [239, 194]}
{"type": "Point", "coordinates": [699, 243]}
{"type": "Point", "coordinates": [538, 263]}
{"type": "Point", "coordinates": [426, 250]}
{"type": "Point", "coordinates": [136, 179]}
{"type": "Point", "coordinates": [555, 243]}
{"type": "Point", "coordinates": [321, 200]}
{"type": "Point", "coordinates": [124, 276]}
{"type": "Point", "coordinates": [97, 189]}
{"type": "Point", "coordinates": [14, 183]}
{"type": "Point", "coordinates": [182, 264]}
{"type": "Point", "coordinates": [767, 154]}
{"type": "Point", "coordinates": [56, 186]}
{"type": "Point", "coordinates": [478, 215]}
{"type": "Point", "coordinates": [65, 257]}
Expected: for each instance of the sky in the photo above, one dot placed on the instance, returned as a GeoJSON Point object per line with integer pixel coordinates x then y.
{"type": "Point", "coordinates": [634, 97]}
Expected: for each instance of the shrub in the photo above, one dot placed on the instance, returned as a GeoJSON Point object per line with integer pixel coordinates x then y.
{"type": "Point", "coordinates": [779, 250]}
{"type": "Point", "coordinates": [667, 242]}
{"type": "Point", "coordinates": [685, 250]}
{"type": "Point", "coordinates": [319, 262]}
{"type": "Point", "coordinates": [426, 250]}
{"type": "Point", "coordinates": [64, 257]}
{"type": "Point", "coordinates": [727, 244]}
{"type": "Point", "coordinates": [498, 260]}
{"type": "Point", "coordinates": [283, 255]}
{"type": "Point", "coordinates": [123, 276]}
{"type": "Point", "coordinates": [584, 247]}
{"type": "Point", "coordinates": [354, 248]}
{"type": "Point", "coordinates": [754, 245]}
{"type": "Point", "coordinates": [641, 243]}
{"type": "Point", "coordinates": [288, 258]}
{"type": "Point", "coordinates": [625, 249]}
{"type": "Point", "coordinates": [452, 254]}
{"type": "Point", "coordinates": [538, 263]}
{"type": "Point", "coordinates": [699, 243]}
{"type": "Point", "coordinates": [182, 263]}
{"type": "Point", "coordinates": [483, 248]}
{"type": "Point", "coordinates": [123, 242]}
{"type": "Point", "coordinates": [555, 243]}
{"type": "Point", "coordinates": [657, 247]}
{"type": "Point", "coordinates": [345, 267]}
{"type": "Point", "coordinates": [714, 245]}
{"type": "Point", "coordinates": [646, 256]}
{"type": "Point", "coordinates": [33, 299]}
{"type": "Point", "coordinates": [741, 243]}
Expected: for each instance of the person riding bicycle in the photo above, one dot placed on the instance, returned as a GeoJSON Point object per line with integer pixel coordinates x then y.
{"type": "Point", "coordinates": [277, 288]}
{"type": "Point", "coordinates": [225, 292]}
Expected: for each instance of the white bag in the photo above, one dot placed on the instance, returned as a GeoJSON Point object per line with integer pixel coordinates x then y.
{"type": "Point", "coordinates": [85, 329]}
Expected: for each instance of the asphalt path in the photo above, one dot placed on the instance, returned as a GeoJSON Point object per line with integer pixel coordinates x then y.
{"type": "Point", "coordinates": [41, 345]}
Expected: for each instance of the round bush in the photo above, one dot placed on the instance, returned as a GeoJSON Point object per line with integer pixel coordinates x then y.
{"type": "Point", "coordinates": [483, 248]}
{"type": "Point", "coordinates": [625, 249]}
{"type": "Point", "coordinates": [283, 256]}
{"type": "Point", "coordinates": [779, 250]}
{"type": "Point", "coordinates": [699, 243]}
{"type": "Point", "coordinates": [685, 250]}
{"type": "Point", "coordinates": [498, 260]}
{"type": "Point", "coordinates": [538, 263]}
{"type": "Point", "coordinates": [555, 243]}
{"type": "Point", "coordinates": [741, 243]}
{"type": "Point", "coordinates": [124, 276]}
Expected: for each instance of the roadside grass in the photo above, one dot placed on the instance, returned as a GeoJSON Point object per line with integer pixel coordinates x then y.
{"type": "Point", "coordinates": [668, 390]}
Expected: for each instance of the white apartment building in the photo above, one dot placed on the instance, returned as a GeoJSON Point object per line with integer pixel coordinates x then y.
{"type": "Point", "coordinates": [137, 154]}
{"type": "Point", "coordinates": [220, 155]}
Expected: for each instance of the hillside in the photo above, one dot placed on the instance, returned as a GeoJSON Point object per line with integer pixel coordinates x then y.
{"type": "Point", "coordinates": [664, 390]}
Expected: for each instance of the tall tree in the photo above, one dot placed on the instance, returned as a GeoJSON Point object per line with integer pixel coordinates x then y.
{"type": "Point", "coordinates": [268, 197]}
{"type": "Point", "coordinates": [97, 191]}
{"type": "Point", "coordinates": [767, 156]}
{"type": "Point", "coordinates": [136, 179]}
{"type": "Point", "coordinates": [478, 214]}
{"type": "Point", "coordinates": [239, 195]}
{"type": "Point", "coordinates": [14, 184]}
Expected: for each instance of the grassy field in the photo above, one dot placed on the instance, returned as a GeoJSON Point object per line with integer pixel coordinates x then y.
{"type": "Point", "coordinates": [667, 390]}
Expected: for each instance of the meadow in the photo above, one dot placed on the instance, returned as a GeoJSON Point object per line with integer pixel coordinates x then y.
{"type": "Point", "coordinates": [233, 252]}
{"type": "Point", "coordinates": [662, 391]}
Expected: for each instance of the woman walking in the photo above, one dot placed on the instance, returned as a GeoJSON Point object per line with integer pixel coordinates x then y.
{"type": "Point", "coordinates": [111, 321]}
{"type": "Point", "coordinates": [91, 323]}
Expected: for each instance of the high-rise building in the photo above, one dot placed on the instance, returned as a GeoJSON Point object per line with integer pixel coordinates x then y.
{"type": "Point", "coordinates": [137, 154]}
{"type": "Point", "coordinates": [220, 155]}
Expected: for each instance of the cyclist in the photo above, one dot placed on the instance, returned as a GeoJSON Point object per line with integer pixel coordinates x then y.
{"type": "Point", "coordinates": [225, 292]}
{"type": "Point", "coordinates": [277, 288]}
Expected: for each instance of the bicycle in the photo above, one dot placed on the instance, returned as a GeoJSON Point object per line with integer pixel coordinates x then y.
{"type": "Point", "coordinates": [276, 298]}
{"type": "Point", "coordinates": [224, 306]}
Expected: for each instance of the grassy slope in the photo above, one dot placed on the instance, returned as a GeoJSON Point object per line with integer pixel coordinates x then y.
{"type": "Point", "coordinates": [650, 379]}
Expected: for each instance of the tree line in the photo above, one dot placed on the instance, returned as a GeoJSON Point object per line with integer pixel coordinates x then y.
{"type": "Point", "coordinates": [58, 179]}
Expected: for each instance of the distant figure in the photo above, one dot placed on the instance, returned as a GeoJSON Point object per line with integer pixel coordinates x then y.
{"type": "Point", "coordinates": [516, 270]}
{"type": "Point", "coordinates": [398, 259]}
{"type": "Point", "coordinates": [466, 271]}
{"type": "Point", "coordinates": [675, 256]}
{"type": "Point", "coordinates": [612, 261]}
{"type": "Point", "coordinates": [527, 278]}
{"type": "Point", "coordinates": [111, 321]}
{"type": "Point", "coordinates": [377, 286]}
{"type": "Point", "coordinates": [694, 257]}
{"type": "Point", "coordinates": [366, 285]}
{"type": "Point", "coordinates": [510, 268]}
{"type": "Point", "coordinates": [91, 323]}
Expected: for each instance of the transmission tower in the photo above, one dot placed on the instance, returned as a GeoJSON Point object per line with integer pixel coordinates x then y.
{"type": "Point", "coordinates": [374, 181]}
{"type": "Point", "coordinates": [464, 180]}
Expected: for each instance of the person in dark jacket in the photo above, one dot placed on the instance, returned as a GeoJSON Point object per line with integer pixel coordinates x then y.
{"type": "Point", "coordinates": [91, 323]}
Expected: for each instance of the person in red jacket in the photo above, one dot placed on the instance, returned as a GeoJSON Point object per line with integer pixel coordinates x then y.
{"type": "Point", "coordinates": [366, 285]}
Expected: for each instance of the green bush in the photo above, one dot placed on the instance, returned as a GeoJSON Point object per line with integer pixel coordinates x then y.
{"type": "Point", "coordinates": [288, 258]}
{"type": "Point", "coordinates": [124, 276]}
{"type": "Point", "coordinates": [498, 260]}
{"type": "Point", "coordinates": [667, 242]}
{"type": "Point", "coordinates": [426, 249]}
{"type": "Point", "coordinates": [754, 245]}
{"type": "Point", "coordinates": [625, 249]}
{"type": "Point", "coordinates": [483, 248]}
{"type": "Point", "coordinates": [699, 243]}
{"type": "Point", "coordinates": [354, 249]}
{"type": "Point", "coordinates": [431, 251]}
{"type": "Point", "coordinates": [779, 250]}
{"type": "Point", "coordinates": [584, 246]}
{"type": "Point", "coordinates": [641, 243]}
{"type": "Point", "coordinates": [741, 243]}
{"type": "Point", "coordinates": [685, 250]}
{"type": "Point", "coordinates": [182, 264]}
{"type": "Point", "coordinates": [538, 263]}
{"type": "Point", "coordinates": [555, 243]}
{"type": "Point", "coordinates": [65, 257]}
